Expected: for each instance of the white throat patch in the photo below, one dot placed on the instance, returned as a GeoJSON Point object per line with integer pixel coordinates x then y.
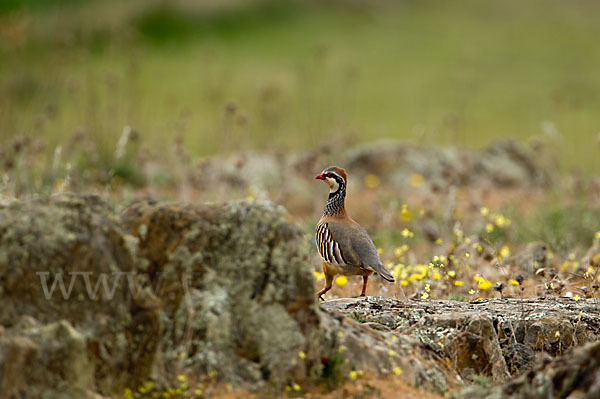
{"type": "Point", "coordinates": [333, 185]}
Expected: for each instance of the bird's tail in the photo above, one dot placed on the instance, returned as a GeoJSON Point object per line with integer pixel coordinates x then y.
{"type": "Point", "coordinates": [384, 273]}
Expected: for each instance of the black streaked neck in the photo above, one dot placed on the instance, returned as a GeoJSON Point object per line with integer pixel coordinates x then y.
{"type": "Point", "coordinates": [335, 203]}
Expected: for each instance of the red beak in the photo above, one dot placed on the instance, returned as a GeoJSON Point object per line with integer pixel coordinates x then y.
{"type": "Point", "coordinates": [320, 177]}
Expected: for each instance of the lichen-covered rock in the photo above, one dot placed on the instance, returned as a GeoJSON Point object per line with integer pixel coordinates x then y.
{"type": "Point", "coordinates": [55, 254]}
{"type": "Point", "coordinates": [492, 337]}
{"type": "Point", "coordinates": [398, 160]}
{"type": "Point", "coordinates": [236, 287]}
{"type": "Point", "coordinates": [357, 345]}
{"type": "Point", "coordinates": [575, 374]}
{"type": "Point", "coordinates": [504, 163]}
{"type": "Point", "coordinates": [46, 361]}
{"type": "Point", "coordinates": [508, 163]}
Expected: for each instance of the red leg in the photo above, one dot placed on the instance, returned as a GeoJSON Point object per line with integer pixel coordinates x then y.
{"type": "Point", "coordinates": [364, 289]}
{"type": "Point", "coordinates": [328, 284]}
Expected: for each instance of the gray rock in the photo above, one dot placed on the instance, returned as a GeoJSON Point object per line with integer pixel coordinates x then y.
{"type": "Point", "coordinates": [237, 289]}
{"type": "Point", "coordinates": [482, 336]}
{"type": "Point", "coordinates": [576, 374]}
{"type": "Point", "coordinates": [48, 238]}
{"type": "Point", "coordinates": [49, 361]}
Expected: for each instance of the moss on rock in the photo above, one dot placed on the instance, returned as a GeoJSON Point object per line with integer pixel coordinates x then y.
{"type": "Point", "coordinates": [250, 307]}
{"type": "Point", "coordinates": [77, 239]}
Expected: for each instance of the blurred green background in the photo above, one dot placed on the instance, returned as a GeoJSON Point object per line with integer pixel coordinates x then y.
{"type": "Point", "coordinates": [231, 75]}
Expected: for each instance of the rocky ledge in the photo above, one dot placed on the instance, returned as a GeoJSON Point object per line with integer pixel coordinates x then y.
{"type": "Point", "coordinates": [494, 337]}
{"type": "Point", "coordinates": [498, 338]}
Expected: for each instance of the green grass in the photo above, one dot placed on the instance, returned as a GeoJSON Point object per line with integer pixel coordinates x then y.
{"type": "Point", "coordinates": [7, 6]}
{"type": "Point", "coordinates": [563, 227]}
{"type": "Point", "coordinates": [300, 74]}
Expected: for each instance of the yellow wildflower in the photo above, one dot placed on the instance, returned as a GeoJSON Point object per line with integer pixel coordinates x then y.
{"type": "Point", "coordinates": [296, 387]}
{"type": "Point", "coordinates": [513, 282]}
{"type": "Point", "coordinates": [342, 348]}
{"type": "Point", "coordinates": [489, 227]}
{"type": "Point", "coordinates": [484, 211]}
{"type": "Point", "coordinates": [371, 181]}
{"type": "Point", "coordinates": [459, 283]}
{"type": "Point", "coordinates": [484, 284]}
{"type": "Point", "coordinates": [341, 280]}
{"type": "Point", "coordinates": [425, 295]}
{"type": "Point", "coordinates": [501, 221]}
{"type": "Point", "coordinates": [452, 273]}
{"type": "Point", "coordinates": [406, 233]}
{"type": "Point", "coordinates": [397, 370]}
{"type": "Point", "coordinates": [302, 355]}
{"type": "Point", "coordinates": [416, 180]}
{"type": "Point", "coordinates": [416, 276]}
{"type": "Point", "coordinates": [505, 251]}
{"type": "Point", "coordinates": [437, 276]}
{"type": "Point", "coordinates": [403, 283]}
{"type": "Point", "coordinates": [405, 214]}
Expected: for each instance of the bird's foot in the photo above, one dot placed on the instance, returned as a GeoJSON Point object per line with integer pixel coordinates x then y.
{"type": "Point", "coordinates": [321, 297]}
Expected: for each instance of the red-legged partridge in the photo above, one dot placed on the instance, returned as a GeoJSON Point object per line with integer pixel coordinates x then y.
{"type": "Point", "coordinates": [344, 246]}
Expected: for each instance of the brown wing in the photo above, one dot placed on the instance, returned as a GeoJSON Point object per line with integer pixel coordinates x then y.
{"type": "Point", "coordinates": [355, 240]}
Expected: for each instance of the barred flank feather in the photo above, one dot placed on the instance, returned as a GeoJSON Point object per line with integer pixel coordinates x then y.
{"type": "Point", "coordinates": [329, 249]}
